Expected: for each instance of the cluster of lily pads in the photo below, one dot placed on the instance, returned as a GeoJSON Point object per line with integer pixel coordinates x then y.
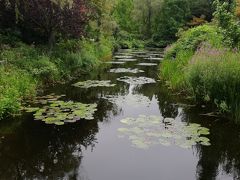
{"type": "Point", "coordinates": [94, 83]}
{"type": "Point", "coordinates": [147, 64]}
{"type": "Point", "coordinates": [114, 62]}
{"type": "Point", "coordinates": [46, 99]}
{"type": "Point", "coordinates": [136, 80]}
{"type": "Point", "coordinates": [126, 70]}
{"type": "Point", "coordinates": [134, 100]}
{"type": "Point", "coordinates": [53, 111]}
{"type": "Point", "coordinates": [127, 60]}
{"type": "Point", "coordinates": [146, 131]}
{"type": "Point", "coordinates": [60, 112]}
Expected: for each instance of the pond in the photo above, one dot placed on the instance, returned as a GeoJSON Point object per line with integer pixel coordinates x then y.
{"type": "Point", "coordinates": [119, 123]}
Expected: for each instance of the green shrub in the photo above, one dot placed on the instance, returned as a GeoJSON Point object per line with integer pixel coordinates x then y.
{"type": "Point", "coordinates": [191, 39]}
{"type": "Point", "coordinates": [28, 58]}
{"type": "Point", "coordinates": [15, 85]}
{"type": "Point", "coordinates": [214, 76]}
{"type": "Point", "coordinates": [173, 70]}
{"type": "Point", "coordinates": [180, 53]}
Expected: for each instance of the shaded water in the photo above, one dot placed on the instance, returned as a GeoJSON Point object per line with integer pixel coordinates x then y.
{"type": "Point", "coordinates": [92, 150]}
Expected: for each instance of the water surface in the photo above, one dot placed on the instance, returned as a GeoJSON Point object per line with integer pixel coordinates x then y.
{"type": "Point", "coordinates": [92, 150]}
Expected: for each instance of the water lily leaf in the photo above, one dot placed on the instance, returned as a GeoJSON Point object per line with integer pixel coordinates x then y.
{"type": "Point", "coordinates": [154, 59]}
{"type": "Point", "coordinates": [140, 144]}
{"type": "Point", "coordinates": [60, 112]}
{"type": "Point", "coordinates": [126, 70]}
{"type": "Point", "coordinates": [136, 80]}
{"type": "Point", "coordinates": [94, 83]}
{"type": "Point", "coordinates": [146, 131]}
{"type": "Point", "coordinates": [127, 60]}
{"type": "Point", "coordinates": [123, 57]}
{"type": "Point", "coordinates": [31, 109]}
{"type": "Point", "coordinates": [134, 100]}
{"type": "Point", "coordinates": [147, 64]}
{"type": "Point", "coordinates": [114, 62]}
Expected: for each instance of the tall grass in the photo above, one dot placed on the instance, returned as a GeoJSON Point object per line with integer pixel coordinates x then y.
{"type": "Point", "coordinates": [198, 64]}
{"type": "Point", "coordinates": [214, 76]}
{"type": "Point", "coordinates": [15, 85]}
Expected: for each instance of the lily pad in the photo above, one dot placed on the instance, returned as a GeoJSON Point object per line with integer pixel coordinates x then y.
{"type": "Point", "coordinates": [146, 131]}
{"type": "Point", "coordinates": [154, 59]}
{"type": "Point", "coordinates": [134, 100]}
{"type": "Point", "coordinates": [123, 57]}
{"type": "Point", "coordinates": [114, 62]}
{"type": "Point", "coordinates": [45, 99]}
{"type": "Point", "coordinates": [127, 60]}
{"type": "Point", "coordinates": [147, 64]}
{"type": "Point", "coordinates": [93, 83]}
{"type": "Point", "coordinates": [136, 80]}
{"type": "Point", "coordinates": [126, 70]}
{"type": "Point", "coordinates": [61, 112]}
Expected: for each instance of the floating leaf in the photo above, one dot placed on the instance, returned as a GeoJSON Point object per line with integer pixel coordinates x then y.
{"type": "Point", "coordinates": [60, 112]}
{"type": "Point", "coordinates": [114, 62]}
{"type": "Point", "coordinates": [126, 70]}
{"type": "Point", "coordinates": [146, 131]}
{"type": "Point", "coordinates": [123, 57]}
{"type": "Point", "coordinates": [147, 64]}
{"type": "Point", "coordinates": [136, 80]}
{"type": "Point", "coordinates": [134, 100]}
{"type": "Point", "coordinates": [94, 83]}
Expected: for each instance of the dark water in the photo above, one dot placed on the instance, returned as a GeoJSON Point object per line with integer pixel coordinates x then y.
{"type": "Point", "coordinates": [92, 150]}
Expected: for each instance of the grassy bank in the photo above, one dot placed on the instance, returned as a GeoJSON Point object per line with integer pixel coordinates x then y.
{"type": "Point", "coordinates": [24, 68]}
{"type": "Point", "coordinates": [199, 65]}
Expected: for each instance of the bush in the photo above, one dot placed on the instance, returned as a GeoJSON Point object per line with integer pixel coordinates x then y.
{"type": "Point", "coordinates": [179, 54]}
{"type": "Point", "coordinates": [191, 39]}
{"type": "Point", "coordinates": [214, 76]}
{"type": "Point", "coordinates": [28, 58]}
{"type": "Point", "coordinates": [15, 85]}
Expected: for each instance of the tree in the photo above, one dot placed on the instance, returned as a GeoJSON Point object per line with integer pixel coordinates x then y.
{"type": "Point", "coordinates": [173, 15]}
{"type": "Point", "coordinates": [48, 18]}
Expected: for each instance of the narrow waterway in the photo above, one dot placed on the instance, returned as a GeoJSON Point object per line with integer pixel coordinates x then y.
{"type": "Point", "coordinates": [120, 142]}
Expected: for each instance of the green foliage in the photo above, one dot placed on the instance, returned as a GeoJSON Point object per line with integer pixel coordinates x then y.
{"type": "Point", "coordinates": [173, 15]}
{"type": "Point", "coordinates": [173, 70]}
{"type": "Point", "coordinates": [15, 85]}
{"type": "Point", "coordinates": [28, 58]}
{"type": "Point", "coordinates": [191, 39]}
{"type": "Point", "coordinates": [123, 15]}
{"type": "Point", "coordinates": [214, 76]}
{"type": "Point", "coordinates": [228, 23]}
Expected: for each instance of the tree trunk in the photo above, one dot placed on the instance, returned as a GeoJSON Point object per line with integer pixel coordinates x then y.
{"type": "Point", "coordinates": [51, 40]}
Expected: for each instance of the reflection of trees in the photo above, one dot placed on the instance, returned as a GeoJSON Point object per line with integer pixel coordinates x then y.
{"type": "Point", "coordinates": [39, 151]}
{"type": "Point", "coordinates": [167, 104]}
{"type": "Point", "coordinates": [224, 152]}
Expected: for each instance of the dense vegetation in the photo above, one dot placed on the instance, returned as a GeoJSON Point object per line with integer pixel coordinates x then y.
{"type": "Point", "coordinates": [44, 42]}
{"type": "Point", "coordinates": [204, 62]}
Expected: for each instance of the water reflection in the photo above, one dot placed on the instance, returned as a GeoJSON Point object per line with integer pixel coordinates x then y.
{"type": "Point", "coordinates": [39, 151]}
{"type": "Point", "coordinates": [91, 149]}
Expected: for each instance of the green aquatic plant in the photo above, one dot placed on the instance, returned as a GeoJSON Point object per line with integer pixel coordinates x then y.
{"type": "Point", "coordinates": [127, 60]}
{"type": "Point", "coordinates": [147, 64]}
{"type": "Point", "coordinates": [123, 57]}
{"type": "Point", "coordinates": [114, 62]}
{"type": "Point", "coordinates": [154, 58]}
{"type": "Point", "coordinates": [46, 99]}
{"type": "Point", "coordinates": [146, 131]}
{"type": "Point", "coordinates": [60, 112]}
{"type": "Point", "coordinates": [133, 100]}
{"type": "Point", "coordinates": [126, 70]}
{"type": "Point", "coordinates": [136, 80]}
{"type": "Point", "coordinates": [94, 83]}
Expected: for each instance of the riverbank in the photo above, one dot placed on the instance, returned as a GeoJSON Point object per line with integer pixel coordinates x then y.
{"type": "Point", "coordinates": [200, 65]}
{"type": "Point", "coordinates": [24, 69]}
